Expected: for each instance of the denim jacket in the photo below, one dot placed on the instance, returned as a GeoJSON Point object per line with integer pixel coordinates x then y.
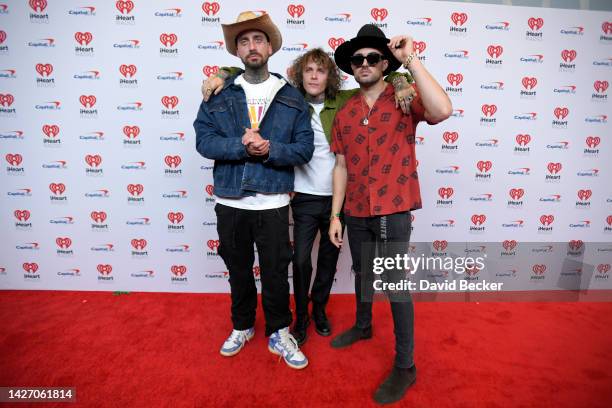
{"type": "Point", "coordinates": [219, 128]}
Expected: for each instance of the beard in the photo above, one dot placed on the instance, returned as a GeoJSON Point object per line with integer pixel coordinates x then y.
{"type": "Point", "coordinates": [254, 64]}
{"type": "Point", "coordinates": [372, 78]}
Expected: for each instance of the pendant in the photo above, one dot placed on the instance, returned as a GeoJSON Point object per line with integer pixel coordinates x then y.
{"type": "Point", "coordinates": [364, 122]}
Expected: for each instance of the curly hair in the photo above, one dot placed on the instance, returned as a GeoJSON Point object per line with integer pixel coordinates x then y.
{"type": "Point", "coordinates": [319, 57]}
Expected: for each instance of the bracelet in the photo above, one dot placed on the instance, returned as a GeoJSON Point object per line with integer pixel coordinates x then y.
{"type": "Point", "coordinates": [409, 60]}
{"type": "Point", "coordinates": [334, 216]}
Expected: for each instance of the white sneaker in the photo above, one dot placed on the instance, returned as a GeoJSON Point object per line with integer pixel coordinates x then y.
{"type": "Point", "coordinates": [236, 341]}
{"type": "Point", "coordinates": [284, 344]}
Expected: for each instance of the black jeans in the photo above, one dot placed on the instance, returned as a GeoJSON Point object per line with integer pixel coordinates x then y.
{"type": "Point", "coordinates": [311, 214]}
{"type": "Point", "coordinates": [269, 229]}
{"type": "Point", "coordinates": [382, 236]}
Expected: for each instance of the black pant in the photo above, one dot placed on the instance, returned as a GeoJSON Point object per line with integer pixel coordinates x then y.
{"type": "Point", "coordinates": [269, 229]}
{"type": "Point", "coordinates": [311, 214]}
{"type": "Point", "coordinates": [382, 236]}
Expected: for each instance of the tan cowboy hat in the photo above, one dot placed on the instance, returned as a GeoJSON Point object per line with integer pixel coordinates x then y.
{"type": "Point", "coordinates": [247, 20]}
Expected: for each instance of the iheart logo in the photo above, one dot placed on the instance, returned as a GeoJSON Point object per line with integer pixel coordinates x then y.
{"type": "Point", "coordinates": [30, 267]}
{"type": "Point", "coordinates": [125, 7]}
{"type": "Point", "coordinates": [210, 8]}
{"type": "Point", "coordinates": [459, 18]}
{"type": "Point", "coordinates": [63, 242]}
{"type": "Point", "coordinates": [440, 245]}
{"type": "Point", "coordinates": [529, 82]}
{"type": "Point", "coordinates": [22, 215]}
{"type": "Point", "coordinates": [454, 79]}
{"type": "Point", "coordinates": [57, 188]}
{"type": "Point", "coordinates": [603, 268]}
{"type": "Point", "coordinates": [2, 36]}
{"type": "Point", "coordinates": [561, 113]}
{"type": "Point", "coordinates": [484, 165]}
{"type": "Point", "coordinates": [471, 271]}
{"type": "Point", "coordinates": [38, 5]}
{"type": "Point", "coordinates": [213, 244]}
{"type": "Point", "coordinates": [509, 245]}
{"type": "Point", "coordinates": [335, 42]}
{"type": "Point", "coordinates": [379, 14]}
{"type": "Point", "coordinates": [568, 55]}
{"type": "Point", "coordinates": [547, 219]}
{"type": "Point", "coordinates": [296, 10]}
{"type": "Point", "coordinates": [172, 161]}
{"type": "Point", "coordinates": [601, 86]}
{"type": "Point", "coordinates": [495, 50]}
{"type": "Point", "coordinates": [131, 131]}
{"type": "Point", "coordinates": [516, 193]}
{"type": "Point", "coordinates": [209, 70]}
{"type": "Point", "coordinates": [554, 168]}
{"type": "Point", "coordinates": [104, 269]}
{"type": "Point", "coordinates": [88, 101]}
{"type": "Point", "coordinates": [535, 23]}
{"type": "Point", "coordinates": [606, 27]}
{"type": "Point", "coordinates": [139, 244]}
{"type": "Point", "coordinates": [178, 270]}
{"type": "Point", "coordinates": [175, 217]}
{"type": "Point", "coordinates": [584, 194]}
{"type": "Point", "coordinates": [523, 140]}
{"type": "Point", "coordinates": [6, 100]}
{"type": "Point", "coordinates": [44, 70]}
{"type": "Point", "coordinates": [450, 137]}
{"type": "Point", "coordinates": [575, 244]}
{"type": "Point", "coordinates": [489, 110]}
{"type": "Point", "coordinates": [168, 39]}
{"type": "Point", "coordinates": [98, 216]}
{"type": "Point", "coordinates": [170, 101]}
{"type": "Point", "coordinates": [83, 38]}
{"type": "Point", "coordinates": [419, 46]}
{"type": "Point", "coordinates": [445, 192]}
{"type": "Point", "coordinates": [93, 160]}
{"type": "Point", "coordinates": [210, 189]}
{"type": "Point", "coordinates": [128, 71]}
{"type": "Point", "coordinates": [539, 269]}
{"type": "Point", "coordinates": [478, 219]}
{"type": "Point", "coordinates": [593, 141]}
{"type": "Point", "coordinates": [135, 189]}
{"type": "Point", "coordinates": [609, 220]}
{"type": "Point", "coordinates": [51, 130]}
{"type": "Point", "coordinates": [14, 159]}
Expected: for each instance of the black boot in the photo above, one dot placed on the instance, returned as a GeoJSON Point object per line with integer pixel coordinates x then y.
{"type": "Point", "coordinates": [322, 325]}
{"type": "Point", "coordinates": [395, 385]}
{"type": "Point", "coordinates": [351, 336]}
{"type": "Point", "coordinates": [299, 329]}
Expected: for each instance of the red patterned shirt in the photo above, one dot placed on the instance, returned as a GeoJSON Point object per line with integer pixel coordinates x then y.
{"type": "Point", "coordinates": [380, 156]}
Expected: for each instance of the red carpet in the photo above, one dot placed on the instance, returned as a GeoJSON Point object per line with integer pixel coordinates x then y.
{"type": "Point", "coordinates": [161, 349]}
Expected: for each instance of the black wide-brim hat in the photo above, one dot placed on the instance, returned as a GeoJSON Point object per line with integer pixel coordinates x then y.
{"type": "Point", "coordinates": [369, 36]}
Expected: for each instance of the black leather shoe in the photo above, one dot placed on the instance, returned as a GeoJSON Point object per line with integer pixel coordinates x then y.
{"type": "Point", "coordinates": [299, 330]}
{"type": "Point", "coordinates": [322, 326]}
{"type": "Point", "coordinates": [395, 385]}
{"type": "Point", "coordinates": [352, 335]}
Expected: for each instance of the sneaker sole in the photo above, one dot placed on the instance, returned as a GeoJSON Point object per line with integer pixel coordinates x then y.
{"type": "Point", "coordinates": [233, 353]}
{"type": "Point", "coordinates": [295, 367]}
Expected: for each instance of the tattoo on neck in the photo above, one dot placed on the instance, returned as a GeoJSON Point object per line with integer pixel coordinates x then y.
{"type": "Point", "coordinates": [315, 99]}
{"type": "Point", "coordinates": [256, 76]}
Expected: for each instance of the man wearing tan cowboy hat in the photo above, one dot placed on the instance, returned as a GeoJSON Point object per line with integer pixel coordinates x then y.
{"type": "Point", "coordinates": [256, 129]}
{"type": "Point", "coordinates": [376, 172]}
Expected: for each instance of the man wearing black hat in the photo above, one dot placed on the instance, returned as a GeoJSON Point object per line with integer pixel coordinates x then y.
{"type": "Point", "coordinates": [375, 176]}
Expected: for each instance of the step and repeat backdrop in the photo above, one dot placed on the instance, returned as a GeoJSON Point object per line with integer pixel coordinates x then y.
{"type": "Point", "coordinates": [102, 188]}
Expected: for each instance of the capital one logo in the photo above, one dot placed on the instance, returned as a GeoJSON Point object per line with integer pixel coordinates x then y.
{"type": "Point", "coordinates": [535, 23]}
{"type": "Point", "coordinates": [446, 192]}
{"type": "Point", "coordinates": [603, 268]}
{"type": "Point", "coordinates": [63, 242]}
{"type": "Point", "coordinates": [139, 244]}
{"type": "Point", "coordinates": [38, 5]}
{"type": "Point", "coordinates": [539, 269]}
{"type": "Point", "coordinates": [175, 217]}
{"type": "Point", "coordinates": [210, 9]}
{"type": "Point", "coordinates": [523, 140]}
{"type": "Point", "coordinates": [6, 100]}
{"type": "Point", "coordinates": [489, 110]}
{"type": "Point", "coordinates": [379, 14]}
{"type": "Point", "coordinates": [14, 159]}
{"type": "Point", "coordinates": [44, 70]}
{"type": "Point", "coordinates": [335, 42]}
{"type": "Point", "coordinates": [509, 245]}
{"type": "Point", "coordinates": [459, 19]}
{"type": "Point", "coordinates": [125, 7]}
{"type": "Point", "coordinates": [547, 219]}
{"type": "Point", "coordinates": [30, 267]}
{"type": "Point", "coordinates": [98, 216]}
{"type": "Point", "coordinates": [600, 86]}
{"type": "Point", "coordinates": [213, 244]}
{"type": "Point", "coordinates": [584, 194]}
{"type": "Point", "coordinates": [478, 219]}
{"type": "Point", "coordinates": [575, 244]}
{"type": "Point", "coordinates": [135, 189]}
{"type": "Point", "coordinates": [529, 82]}
{"type": "Point", "coordinates": [57, 188]}
{"type": "Point", "coordinates": [178, 270]}
{"type": "Point", "coordinates": [419, 46]}
{"type": "Point", "coordinates": [173, 161]}
{"type": "Point", "coordinates": [440, 245]}
{"type": "Point", "coordinates": [568, 55]}
{"type": "Point", "coordinates": [295, 10]}
{"type": "Point", "coordinates": [593, 142]}
{"type": "Point", "coordinates": [210, 189]}
{"type": "Point", "coordinates": [561, 113]}
{"type": "Point", "coordinates": [88, 101]}
{"type": "Point", "coordinates": [209, 70]}
{"type": "Point", "coordinates": [170, 102]}
{"type": "Point", "coordinates": [516, 193]}
{"type": "Point", "coordinates": [131, 131]}
{"type": "Point", "coordinates": [22, 215]}
{"type": "Point", "coordinates": [83, 38]}
{"type": "Point", "coordinates": [495, 51]}
{"type": "Point", "coordinates": [454, 79]}
{"type": "Point", "coordinates": [554, 168]}
{"type": "Point", "coordinates": [450, 137]}
{"type": "Point", "coordinates": [93, 160]}
{"type": "Point", "coordinates": [104, 269]}
{"type": "Point", "coordinates": [484, 165]}
{"type": "Point", "coordinates": [128, 71]}
{"type": "Point", "coordinates": [168, 39]}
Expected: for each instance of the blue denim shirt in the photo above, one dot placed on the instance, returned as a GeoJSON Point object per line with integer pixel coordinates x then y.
{"type": "Point", "coordinates": [219, 128]}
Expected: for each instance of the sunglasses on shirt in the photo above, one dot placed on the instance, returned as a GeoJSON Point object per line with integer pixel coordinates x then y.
{"type": "Point", "coordinates": [373, 58]}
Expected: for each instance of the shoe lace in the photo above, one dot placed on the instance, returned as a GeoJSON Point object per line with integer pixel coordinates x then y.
{"type": "Point", "coordinates": [238, 336]}
{"type": "Point", "coordinates": [288, 342]}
